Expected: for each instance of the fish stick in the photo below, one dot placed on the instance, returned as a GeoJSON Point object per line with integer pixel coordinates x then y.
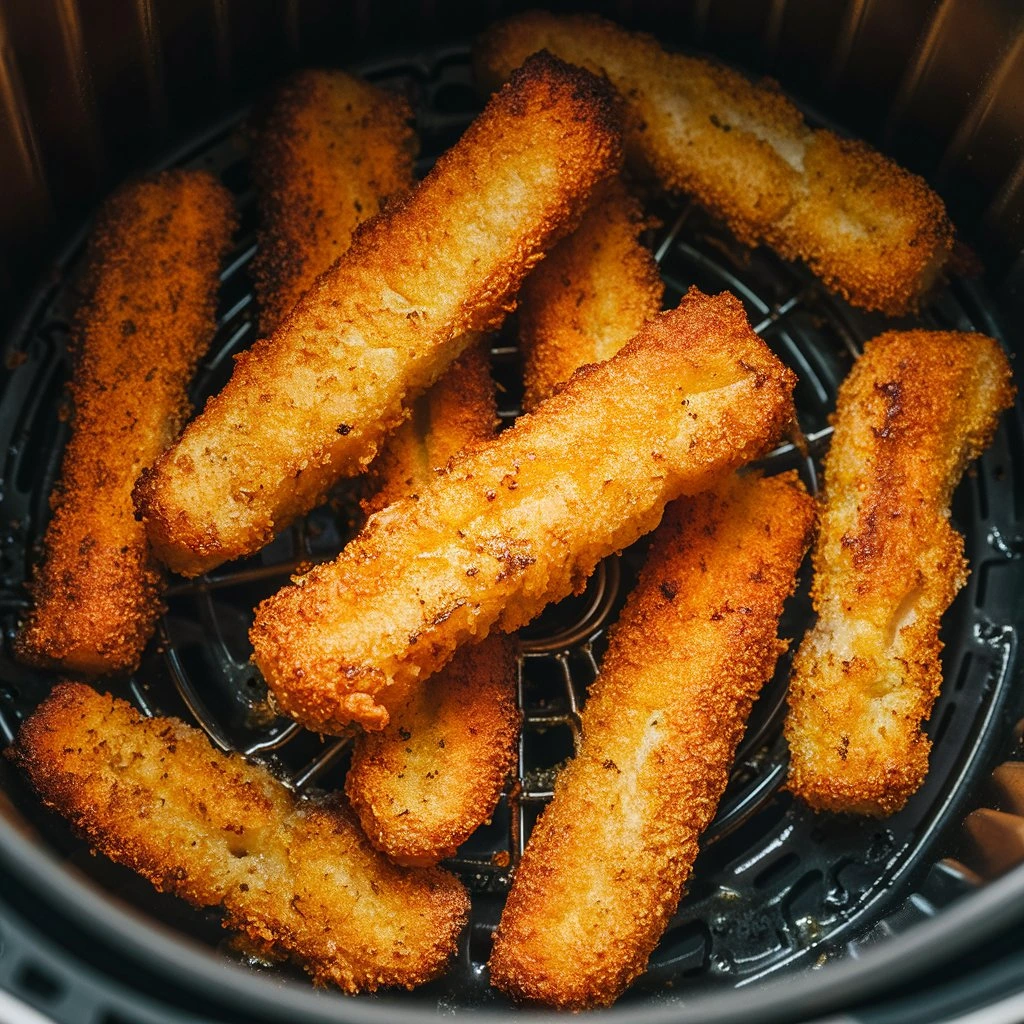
{"type": "Point", "coordinates": [915, 409]}
{"type": "Point", "coordinates": [329, 149]}
{"type": "Point", "coordinates": [295, 878]}
{"type": "Point", "coordinates": [871, 230]}
{"type": "Point", "coordinates": [312, 402]}
{"type": "Point", "coordinates": [458, 410]}
{"type": "Point", "coordinates": [521, 521]}
{"type": "Point", "coordinates": [695, 643]}
{"type": "Point", "coordinates": [148, 316]}
{"type": "Point", "coordinates": [425, 783]}
{"type": "Point", "coordinates": [326, 153]}
{"type": "Point", "coordinates": [595, 290]}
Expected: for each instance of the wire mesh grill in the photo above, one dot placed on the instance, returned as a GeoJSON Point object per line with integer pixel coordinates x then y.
{"type": "Point", "coordinates": [775, 886]}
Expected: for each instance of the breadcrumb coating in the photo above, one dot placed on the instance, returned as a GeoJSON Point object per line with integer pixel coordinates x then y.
{"type": "Point", "coordinates": [296, 878]}
{"type": "Point", "coordinates": [147, 317]}
{"type": "Point", "coordinates": [871, 230]}
{"type": "Point", "coordinates": [458, 410]}
{"type": "Point", "coordinates": [312, 402]}
{"type": "Point", "coordinates": [328, 150]}
{"type": "Point", "coordinates": [694, 645]}
{"type": "Point", "coordinates": [915, 409]}
{"type": "Point", "coordinates": [521, 521]}
{"type": "Point", "coordinates": [595, 290]}
{"type": "Point", "coordinates": [426, 782]}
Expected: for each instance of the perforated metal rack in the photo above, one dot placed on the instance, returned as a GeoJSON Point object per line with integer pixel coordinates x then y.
{"type": "Point", "coordinates": [775, 887]}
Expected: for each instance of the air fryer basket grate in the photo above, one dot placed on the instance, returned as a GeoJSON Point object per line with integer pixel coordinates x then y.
{"type": "Point", "coordinates": [775, 886]}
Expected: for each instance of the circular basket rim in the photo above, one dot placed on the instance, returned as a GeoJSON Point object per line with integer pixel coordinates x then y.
{"type": "Point", "coordinates": [995, 906]}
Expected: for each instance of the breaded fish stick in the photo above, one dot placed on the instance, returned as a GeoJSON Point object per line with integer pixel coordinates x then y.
{"type": "Point", "coordinates": [870, 230]}
{"type": "Point", "coordinates": [425, 783]}
{"type": "Point", "coordinates": [326, 153]}
{"type": "Point", "coordinates": [313, 402]}
{"type": "Point", "coordinates": [521, 521]}
{"type": "Point", "coordinates": [595, 290]}
{"type": "Point", "coordinates": [457, 411]}
{"type": "Point", "coordinates": [296, 878]}
{"type": "Point", "coordinates": [148, 316]}
{"type": "Point", "coordinates": [694, 645]}
{"type": "Point", "coordinates": [915, 409]}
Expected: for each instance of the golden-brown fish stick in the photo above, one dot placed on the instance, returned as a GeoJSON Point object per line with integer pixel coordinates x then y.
{"type": "Point", "coordinates": [694, 645]}
{"type": "Point", "coordinates": [148, 316]}
{"type": "Point", "coordinates": [327, 151]}
{"type": "Point", "coordinates": [521, 521]}
{"type": "Point", "coordinates": [595, 290]}
{"type": "Point", "coordinates": [425, 783]}
{"type": "Point", "coordinates": [869, 229]}
{"type": "Point", "coordinates": [296, 878]}
{"type": "Point", "coordinates": [312, 402]}
{"type": "Point", "coordinates": [915, 409]}
{"type": "Point", "coordinates": [458, 410]}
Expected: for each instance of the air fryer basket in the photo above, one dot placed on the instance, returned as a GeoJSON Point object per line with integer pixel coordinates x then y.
{"type": "Point", "coordinates": [776, 890]}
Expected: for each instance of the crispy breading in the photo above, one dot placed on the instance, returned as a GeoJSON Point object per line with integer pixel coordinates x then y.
{"type": "Point", "coordinates": [148, 315]}
{"type": "Point", "coordinates": [694, 645]}
{"type": "Point", "coordinates": [296, 878]}
{"type": "Point", "coordinates": [327, 151]}
{"type": "Point", "coordinates": [313, 402]}
{"type": "Point", "coordinates": [425, 783]}
{"type": "Point", "coordinates": [869, 229]}
{"type": "Point", "coordinates": [915, 409]}
{"type": "Point", "coordinates": [595, 290]}
{"type": "Point", "coordinates": [458, 410]}
{"type": "Point", "coordinates": [521, 521]}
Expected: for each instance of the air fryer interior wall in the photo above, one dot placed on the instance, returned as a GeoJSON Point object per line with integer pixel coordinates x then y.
{"type": "Point", "coordinates": [776, 889]}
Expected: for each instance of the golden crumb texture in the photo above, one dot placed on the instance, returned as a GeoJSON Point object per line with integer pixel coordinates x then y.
{"type": "Point", "coordinates": [296, 878]}
{"type": "Point", "coordinates": [459, 409]}
{"type": "Point", "coordinates": [606, 863]}
{"type": "Point", "coordinates": [917, 407]}
{"type": "Point", "coordinates": [424, 784]}
{"type": "Point", "coordinates": [871, 230]}
{"type": "Point", "coordinates": [328, 149]}
{"type": "Point", "coordinates": [595, 290]}
{"type": "Point", "coordinates": [521, 521]}
{"type": "Point", "coordinates": [147, 316]}
{"type": "Point", "coordinates": [312, 402]}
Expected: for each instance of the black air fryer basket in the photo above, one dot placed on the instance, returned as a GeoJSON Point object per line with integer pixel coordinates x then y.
{"type": "Point", "coordinates": [789, 915]}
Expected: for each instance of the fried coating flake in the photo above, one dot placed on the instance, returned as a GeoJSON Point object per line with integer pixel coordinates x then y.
{"type": "Point", "coordinates": [595, 290]}
{"type": "Point", "coordinates": [426, 782]}
{"type": "Point", "coordinates": [521, 521]}
{"type": "Point", "coordinates": [871, 230]}
{"type": "Point", "coordinates": [296, 878]}
{"type": "Point", "coordinates": [146, 319]}
{"type": "Point", "coordinates": [327, 151]}
{"type": "Point", "coordinates": [915, 409]}
{"type": "Point", "coordinates": [312, 402]}
{"type": "Point", "coordinates": [695, 643]}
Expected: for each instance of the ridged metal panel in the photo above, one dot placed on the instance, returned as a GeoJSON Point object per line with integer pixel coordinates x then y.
{"type": "Point", "coordinates": [25, 206]}
{"type": "Point", "coordinates": [954, 62]}
{"type": "Point", "coordinates": [58, 96]}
